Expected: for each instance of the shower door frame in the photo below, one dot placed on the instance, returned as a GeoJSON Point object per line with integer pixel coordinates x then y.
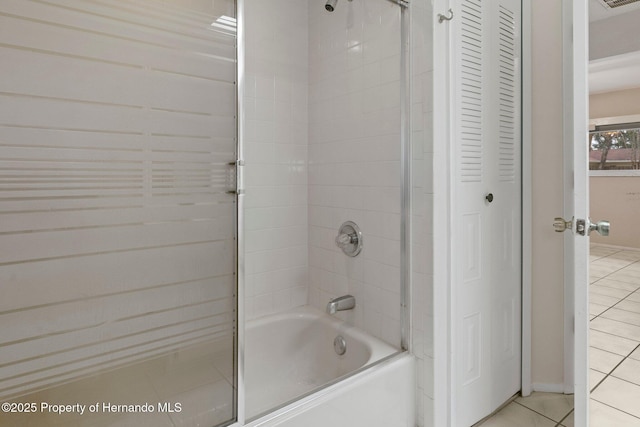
{"type": "Point", "coordinates": [406, 337]}
{"type": "Point", "coordinates": [240, 248]}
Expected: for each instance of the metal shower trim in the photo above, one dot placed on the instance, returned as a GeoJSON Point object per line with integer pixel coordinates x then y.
{"type": "Point", "coordinates": [330, 5]}
{"type": "Point", "coordinates": [402, 3]}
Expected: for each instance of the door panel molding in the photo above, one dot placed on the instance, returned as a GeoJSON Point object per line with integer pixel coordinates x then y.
{"type": "Point", "coordinates": [485, 206]}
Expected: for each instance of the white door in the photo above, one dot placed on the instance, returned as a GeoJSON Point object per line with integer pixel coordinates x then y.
{"type": "Point", "coordinates": [486, 252]}
{"type": "Point", "coordinates": [575, 27]}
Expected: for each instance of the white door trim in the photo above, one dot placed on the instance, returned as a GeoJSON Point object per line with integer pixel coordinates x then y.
{"type": "Point", "coordinates": [527, 208]}
{"type": "Point", "coordinates": [441, 217]}
{"type": "Point", "coordinates": [575, 25]}
{"type": "Point", "coordinates": [567, 87]}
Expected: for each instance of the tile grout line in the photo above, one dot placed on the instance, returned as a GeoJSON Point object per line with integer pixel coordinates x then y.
{"type": "Point", "coordinates": [613, 280]}
{"type": "Point", "coordinates": [617, 409]}
{"type": "Point", "coordinates": [542, 415]}
{"type": "Point", "coordinates": [564, 418]}
{"type": "Point", "coordinates": [497, 411]}
{"type": "Point", "coordinates": [623, 299]}
{"type": "Point", "coordinates": [609, 374]}
{"type": "Point", "coordinates": [614, 306]}
{"type": "Point", "coordinates": [608, 274]}
{"type": "Point", "coordinates": [630, 263]}
{"type": "Point", "coordinates": [614, 368]}
{"type": "Point", "coordinates": [600, 314]}
{"type": "Point", "coordinates": [621, 309]}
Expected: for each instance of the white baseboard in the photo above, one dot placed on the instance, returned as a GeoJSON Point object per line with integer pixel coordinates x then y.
{"type": "Point", "coordinates": [622, 248]}
{"type": "Point", "coordinates": [548, 388]}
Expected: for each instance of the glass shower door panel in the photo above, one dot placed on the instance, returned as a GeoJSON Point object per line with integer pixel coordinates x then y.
{"type": "Point", "coordinates": [117, 212]}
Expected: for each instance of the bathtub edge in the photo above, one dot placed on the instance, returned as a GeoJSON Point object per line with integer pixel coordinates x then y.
{"type": "Point", "coordinates": [320, 407]}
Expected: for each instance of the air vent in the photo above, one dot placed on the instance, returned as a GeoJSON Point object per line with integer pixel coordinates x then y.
{"type": "Point", "coordinates": [617, 3]}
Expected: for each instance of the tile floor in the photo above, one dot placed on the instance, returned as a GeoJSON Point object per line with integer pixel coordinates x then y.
{"type": "Point", "coordinates": [614, 352]}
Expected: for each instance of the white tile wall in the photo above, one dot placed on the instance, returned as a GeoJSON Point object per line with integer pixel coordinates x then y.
{"type": "Point", "coordinates": [342, 163]}
{"type": "Point", "coordinates": [422, 219]}
{"type": "Point", "coordinates": [276, 124]}
{"type": "Point", "coordinates": [354, 159]}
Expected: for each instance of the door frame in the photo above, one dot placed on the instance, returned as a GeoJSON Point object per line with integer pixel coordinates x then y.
{"type": "Point", "coordinates": [441, 216]}
{"type": "Point", "coordinates": [442, 212]}
{"type": "Point", "coordinates": [575, 29]}
{"type": "Point", "coordinates": [575, 26]}
{"type": "Point", "coordinates": [527, 197]}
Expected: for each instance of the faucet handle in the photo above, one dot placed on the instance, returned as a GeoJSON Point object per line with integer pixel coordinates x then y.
{"type": "Point", "coordinates": [344, 239]}
{"type": "Point", "coordinates": [349, 238]}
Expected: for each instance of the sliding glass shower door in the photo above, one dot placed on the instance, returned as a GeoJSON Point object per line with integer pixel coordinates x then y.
{"type": "Point", "coordinates": [117, 212]}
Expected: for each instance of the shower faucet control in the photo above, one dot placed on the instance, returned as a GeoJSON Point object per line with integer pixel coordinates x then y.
{"type": "Point", "coordinates": [349, 238]}
{"type": "Point", "coordinates": [346, 302]}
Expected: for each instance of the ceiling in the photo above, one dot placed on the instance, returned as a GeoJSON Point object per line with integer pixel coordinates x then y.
{"type": "Point", "coordinates": [598, 11]}
{"type": "Point", "coordinates": [614, 73]}
{"type": "Point", "coordinates": [617, 72]}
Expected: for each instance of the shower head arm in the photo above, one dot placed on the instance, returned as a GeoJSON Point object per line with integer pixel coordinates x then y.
{"type": "Point", "coordinates": [330, 6]}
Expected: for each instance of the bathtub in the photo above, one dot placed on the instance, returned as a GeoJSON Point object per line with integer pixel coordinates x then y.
{"type": "Point", "coordinates": [290, 356]}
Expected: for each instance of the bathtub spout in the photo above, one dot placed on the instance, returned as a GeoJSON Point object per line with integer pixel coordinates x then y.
{"type": "Point", "coordinates": [346, 302]}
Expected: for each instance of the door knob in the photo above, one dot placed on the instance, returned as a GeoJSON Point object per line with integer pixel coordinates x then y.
{"type": "Point", "coordinates": [585, 227]}
{"type": "Point", "coordinates": [489, 197]}
{"type": "Point", "coordinates": [560, 225]}
{"type": "Point", "coordinates": [602, 227]}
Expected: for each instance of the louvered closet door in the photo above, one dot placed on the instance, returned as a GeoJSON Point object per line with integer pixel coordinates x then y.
{"type": "Point", "coordinates": [117, 232]}
{"type": "Point", "coordinates": [487, 206]}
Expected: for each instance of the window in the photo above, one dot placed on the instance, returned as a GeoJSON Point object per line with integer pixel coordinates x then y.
{"type": "Point", "coordinates": [615, 148]}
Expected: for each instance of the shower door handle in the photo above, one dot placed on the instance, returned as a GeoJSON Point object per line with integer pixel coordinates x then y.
{"type": "Point", "coordinates": [233, 177]}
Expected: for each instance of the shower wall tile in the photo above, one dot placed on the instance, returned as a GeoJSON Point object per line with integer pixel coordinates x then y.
{"type": "Point", "coordinates": [282, 196]}
{"type": "Point", "coordinates": [354, 160]}
{"type": "Point", "coordinates": [422, 210]}
{"type": "Point", "coordinates": [322, 147]}
{"type": "Point", "coordinates": [275, 136]}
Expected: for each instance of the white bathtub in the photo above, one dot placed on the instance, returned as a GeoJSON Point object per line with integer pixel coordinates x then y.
{"type": "Point", "coordinates": [290, 355]}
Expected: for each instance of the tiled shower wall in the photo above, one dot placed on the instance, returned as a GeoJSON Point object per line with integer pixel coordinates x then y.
{"type": "Point", "coordinates": [423, 149]}
{"type": "Point", "coordinates": [275, 136]}
{"type": "Point", "coordinates": [306, 174]}
{"type": "Point", "coordinates": [354, 159]}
